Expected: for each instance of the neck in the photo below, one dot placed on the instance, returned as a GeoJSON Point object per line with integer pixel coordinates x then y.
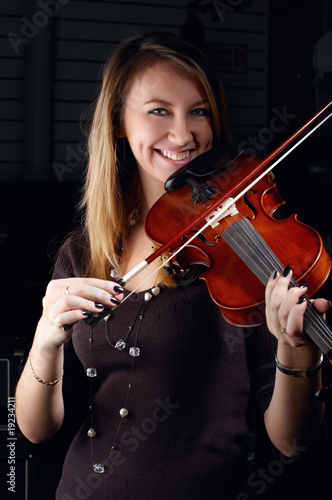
{"type": "Point", "coordinates": [151, 191]}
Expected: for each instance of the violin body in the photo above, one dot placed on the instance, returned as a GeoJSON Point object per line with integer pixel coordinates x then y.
{"type": "Point", "coordinates": [232, 285]}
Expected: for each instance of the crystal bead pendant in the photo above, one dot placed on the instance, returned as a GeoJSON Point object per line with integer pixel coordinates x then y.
{"type": "Point", "coordinates": [91, 372]}
{"type": "Point", "coordinates": [99, 468]}
{"type": "Point", "coordinates": [115, 273]}
{"type": "Point", "coordinates": [134, 351]}
{"type": "Point", "coordinates": [120, 345]}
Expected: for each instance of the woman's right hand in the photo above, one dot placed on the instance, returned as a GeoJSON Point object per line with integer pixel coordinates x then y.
{"type": "Point", "coordinates": [70, 300]}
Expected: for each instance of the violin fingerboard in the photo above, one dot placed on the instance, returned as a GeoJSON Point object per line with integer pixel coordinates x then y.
{"type": "Point", "coordinates": [249, 245]}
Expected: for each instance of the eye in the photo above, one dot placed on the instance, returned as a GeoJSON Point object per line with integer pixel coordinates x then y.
{"type": "Point", "coordinates": [201, 112]}
{"type": "Point", "coordinates": [158, 111]}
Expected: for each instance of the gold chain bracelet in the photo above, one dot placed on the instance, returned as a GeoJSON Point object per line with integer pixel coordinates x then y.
{"type": "Point", "coordinates": [40, 379]}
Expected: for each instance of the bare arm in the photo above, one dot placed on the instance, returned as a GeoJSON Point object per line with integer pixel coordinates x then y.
{"type": "Point", "coordinates": [39, 407]}
{"type": "Point", "coordinates": [294, 414]}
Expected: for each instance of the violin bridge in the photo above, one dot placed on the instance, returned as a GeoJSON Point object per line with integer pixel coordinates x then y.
{"type": "Point", "coordinates": [225, 209]}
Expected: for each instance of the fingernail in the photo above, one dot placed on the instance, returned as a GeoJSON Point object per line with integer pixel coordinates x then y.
{"type": "Point", "coordinates": [286, 271]}
{"type": "Point", "coordinates": [100, 306]}
{"type": "Point", "coordinates": [304, 285]}
{"type": "Point", "coordinates": [115, 301]}
{"type": "Point", "coordinates": [86, 313]}
{"type": "Point", "coordinates": [302, 299]}
{"type": "Point", "coordinates": [65, 328]}
{"type": "Point", "coordinates": [273, 275]}
{"type": "Point", "coordinates": [118, 289]}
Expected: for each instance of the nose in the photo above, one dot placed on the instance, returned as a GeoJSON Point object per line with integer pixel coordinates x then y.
{"type": "Point", "coordinates": [180, 131]}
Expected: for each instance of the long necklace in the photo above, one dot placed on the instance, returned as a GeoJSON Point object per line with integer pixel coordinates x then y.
{"type": "Point", "coordinates": [134, 352]}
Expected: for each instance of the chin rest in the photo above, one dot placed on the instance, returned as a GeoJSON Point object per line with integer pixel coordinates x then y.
{"type": "Point", "coordinates": [208, 164]}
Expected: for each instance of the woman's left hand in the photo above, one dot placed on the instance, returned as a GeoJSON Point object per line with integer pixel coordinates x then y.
{"type": "Point", "coordinates": [285, 309]}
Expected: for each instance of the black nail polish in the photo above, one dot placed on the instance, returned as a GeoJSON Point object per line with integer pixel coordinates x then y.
{"type": "Point", "coordinates": [118, 289]}
{"type": "Point", "coordinates": [286, 271]}
{"type": "Point", "coordinates": [304, 285]}
{"type": "Point", "coordinates": [273, 275]}
{"type": "Point", "coordinates": [95, 318]}
{"type": "Point", "coordinates": [115, 301]}
{"type": "Point", "coordinates": [100, 306]}
{"type": "Point", "coordinates": [303, 298]}
{"type": "Point", "coordinates": [86, 313]}
{"type": "Point", "coordinates": [65, 328]}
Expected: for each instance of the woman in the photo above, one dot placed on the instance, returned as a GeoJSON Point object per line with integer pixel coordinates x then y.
{"type": "Point", "coordinates": [169, 399]}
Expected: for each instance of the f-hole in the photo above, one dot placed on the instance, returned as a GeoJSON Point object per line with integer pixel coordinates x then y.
{"type": "Point", "coordinates": [250, 205]}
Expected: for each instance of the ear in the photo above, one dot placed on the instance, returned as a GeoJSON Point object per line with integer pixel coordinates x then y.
{"type": "Point", "coordinates": [119, 129]}
{"type": "Point", "coordinates": [120, 134]}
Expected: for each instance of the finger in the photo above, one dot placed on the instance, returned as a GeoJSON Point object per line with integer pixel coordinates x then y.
{"type": "Point", "coordinates": [293, 334]}
{"type": "Point", "coordinates": [281, 317]}
{"type": "Point", "coordinates": [271, 284]}
{"type": "Point", "coordinates": [72, 285]}
{"type": "Point", "coordinates": [67, 319]}
{"type": "Point", "coordinates": [322, 305]}
{"type": "Point", "coordinates": [276, 290]}
{"type": "Point", "coordinates": [108, 286]}
{"type": "Point", "coordinates": [271, 307]}
{"type": "Point", "coordinates": [293, 297]}
{"type": "Point", "coordinates": [282, 282]}
{"type": "Point", "coordinates": [88, 291]}
{"type": "Point", "coordinates": [74, 303]}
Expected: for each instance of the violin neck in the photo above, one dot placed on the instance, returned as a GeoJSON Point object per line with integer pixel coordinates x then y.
{"type": "Point", "coordinates": [249, 245]}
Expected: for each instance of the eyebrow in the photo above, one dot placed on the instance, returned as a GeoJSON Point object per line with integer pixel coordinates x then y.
{"type": "Point", "coordinates": [168, 103]}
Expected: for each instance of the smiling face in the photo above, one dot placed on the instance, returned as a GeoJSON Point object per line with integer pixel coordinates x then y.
{"type": "Point", "coordinates": [167, 122]}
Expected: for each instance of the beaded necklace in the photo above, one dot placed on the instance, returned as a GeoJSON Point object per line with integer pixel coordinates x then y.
{"type": "Point", "coordinates": [92, 373]}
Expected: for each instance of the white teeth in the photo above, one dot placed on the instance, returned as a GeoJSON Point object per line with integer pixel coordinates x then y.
{"type": "Point", "coordinates": [174, 156]}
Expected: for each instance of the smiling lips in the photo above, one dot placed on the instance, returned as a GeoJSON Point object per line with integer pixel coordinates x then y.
{"type": "Point", "coordinates": [175, 156]}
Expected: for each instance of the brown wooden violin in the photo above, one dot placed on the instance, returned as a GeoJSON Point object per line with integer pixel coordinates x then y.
{"type": "Point", "coordinates": [219, 212]}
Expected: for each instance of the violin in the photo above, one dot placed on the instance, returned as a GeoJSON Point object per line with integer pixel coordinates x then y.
{"type": "Point", "coordinates": [244, 243]}
{"type": "Point", "coordinates": [219, 212]}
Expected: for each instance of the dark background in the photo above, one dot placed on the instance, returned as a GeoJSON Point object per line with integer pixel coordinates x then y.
{"type": "Point", "coordinates": [38, 201]}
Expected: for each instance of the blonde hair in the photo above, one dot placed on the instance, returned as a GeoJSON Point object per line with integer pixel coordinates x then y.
{"type": "Point", "coordinates": [111, 184]}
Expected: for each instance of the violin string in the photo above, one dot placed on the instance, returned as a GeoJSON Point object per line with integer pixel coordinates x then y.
{"type": "Point", "coordinates": [252, 249]}
{"type": "Point", "coordinates": [266, 265]}
{"type": "Point", "coordinates": [320, 323]}
{"type": "Point", "coordinates": [255, 255]}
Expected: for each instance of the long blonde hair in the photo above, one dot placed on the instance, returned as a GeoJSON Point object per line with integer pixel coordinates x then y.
{"type": "Point", "coordinates": [111, 181]}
